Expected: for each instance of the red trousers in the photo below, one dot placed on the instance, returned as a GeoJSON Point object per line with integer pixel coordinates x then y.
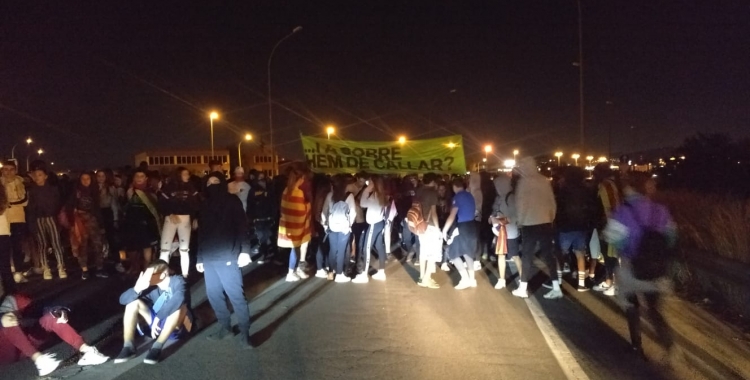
{"type": "Point", "coordinates": [14, 342]}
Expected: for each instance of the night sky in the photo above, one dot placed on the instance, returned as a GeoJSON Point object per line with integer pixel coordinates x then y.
{"type": "Point", "coordinates": [94, 84]}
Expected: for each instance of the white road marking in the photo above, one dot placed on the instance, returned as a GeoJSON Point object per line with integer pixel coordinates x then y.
{"type": "Point", "coordinates": [564, 356]}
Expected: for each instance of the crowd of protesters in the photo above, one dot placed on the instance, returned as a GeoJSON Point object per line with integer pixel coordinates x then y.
{"type": "Point", "coordinates": [330, 225]}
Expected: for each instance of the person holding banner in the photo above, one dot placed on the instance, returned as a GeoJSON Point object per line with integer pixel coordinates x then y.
{"type": "Point", "coordinates": [294, 225]}
{"type": "Point", "coordinates": [374, 199]}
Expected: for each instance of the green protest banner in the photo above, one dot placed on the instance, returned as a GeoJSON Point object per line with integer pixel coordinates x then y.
{"type": "Point", "coordinates": [443, 155]}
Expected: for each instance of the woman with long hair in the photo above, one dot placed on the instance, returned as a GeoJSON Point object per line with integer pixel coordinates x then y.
{"type": "Point", "coordinates": [109, 208]}
{"type": "Point", "coordinates": [322, 189]}
{"type": "Point", "coordinates": [375, 200]}
{"type": "Point", "coordinates": [295, 221]}
{"type": "Point", "coordinates": [337, 217]}
{"type": "Point", "coordinates": [141, 222]}
{"type": "Point", "coordinates": [178, 203]}
{"type": "Point", "coordinates": [86, 226]}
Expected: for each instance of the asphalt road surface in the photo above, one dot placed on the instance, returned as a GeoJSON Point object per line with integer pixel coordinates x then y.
{"type": "Point", "coordinates": [317, 329]}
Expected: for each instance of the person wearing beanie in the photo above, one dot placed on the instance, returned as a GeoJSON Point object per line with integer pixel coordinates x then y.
{"type": "Point", "coordinates": [224, 248]}
{"type": "Point", "coordinates": [15, 341]}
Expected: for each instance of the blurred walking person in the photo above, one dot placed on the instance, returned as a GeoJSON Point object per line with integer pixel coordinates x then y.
{"type": "Point", "coordinates": [337, 217]}
{"type": "Point", "coordinates": [463, 239]}
{"type": "Point", "coordinates": [86, 231]}
{"type": "Point", "coordinates": [374, 200]}
{"type": "Point", "coordinates": [261, 211]}
{"type": "Point", "coordinates": [535, 210]}
{"type": "Point", "coordinates": [15, 193]}
{"type": "Point", "coordinates": [504, 225]}
{"type": "Point", "coordinates": [609, 198]}
{"type": "Point", "coordinates": [295, 222]}
{"type": "Point", "coordinates": [44, 214]}
{"type": "Point", "coordinates": [431, 241]}
{"type": "Point", "coordinates": [223, 249]}
{"type": "Point", "coordinates": [178, 202]}
{"type": "Point", "coordinates": [109, 209]}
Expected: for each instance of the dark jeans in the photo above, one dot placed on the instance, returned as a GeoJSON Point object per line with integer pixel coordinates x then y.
{"type": "Point", "coordinates": [542, 236]}
{"type": "Point", "coordinates": [6, 275]}
{"type": "Point", "coordinates": [222, 278]}
{"type": "Point", "coordinates": [373, 238]}
{"type": "Point", "coordinates": [358, 230]}
{"type": "Point", "coordinates": [610, 263]}
{"type": "Point", "coordinates": [110, 234]}
{"type": "Point", "coordinates": [409, 239]}
{"type": "Point", "coordinates": [264, 233]}
{"type": "Point", "coordinates": [17, 234]}
{"type": "Point", "coordinates": [634, 320]}
{"type": "Point", "coordinates": [338, 243]}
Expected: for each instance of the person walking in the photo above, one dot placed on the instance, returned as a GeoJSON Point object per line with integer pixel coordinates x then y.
{"type": "Point", "coordinates": [239, 186]}
{"type": "Point", "coordinates": [15, 192]}
{"type": "Point", "coordinates": [294, 225]}
{"type": "Point", "coordinates": [43, 211]}
{"type": "Point", "coordinates": [178, 202]}
{"type": "Point", "coordinates": [337, 217]}
{"type": "Point", "coordinates": [609, 197]}
{"type": "Point", "coordinates": [464, 238]}
{"type": "Point", "coordinates": [223, 249]}
{"type": "Point", "coordinates": [535, 210]}
{"type": "Point", "coordinates": [374, 201]}
{"type": "Point", "coordinates": [262, 211]}
{"type": "Point", "coordinates": [86, 230]}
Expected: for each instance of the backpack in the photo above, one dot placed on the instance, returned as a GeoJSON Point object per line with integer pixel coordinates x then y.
{"type": "Point", "coordinates": [653, 256]}
{"type": "Point", "coordinates": [415, 220]}
{"type": "Point", "coordinates": [338, 216]}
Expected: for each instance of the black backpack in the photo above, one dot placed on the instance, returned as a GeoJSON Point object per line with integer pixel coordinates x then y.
{"type": "Point", "coordinates": [654, 255]}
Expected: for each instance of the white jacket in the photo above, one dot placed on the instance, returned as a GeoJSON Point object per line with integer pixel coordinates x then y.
{"type": "Point", "coordinates": [4, 225]}
{"type": "Point", "coordinates": [375, 210]}
{"type": "Point", "coordinates": [535, 201]}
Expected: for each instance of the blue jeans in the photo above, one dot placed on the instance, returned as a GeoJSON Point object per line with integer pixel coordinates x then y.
{"type": "Point", "coordinates": [221, 278]}
{"type": "Point", "coordinates": [339, 244]}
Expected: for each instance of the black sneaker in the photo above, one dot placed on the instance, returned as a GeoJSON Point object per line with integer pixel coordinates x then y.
{"type": "Point", "coordinates": [220, 334]}
{"type": "Point", "coordinates": [582, 288]}
{"type": "Point", "coordinates": [85, 275]}
{"type": "Point", "coordinates": [153, 356]}
{"type": "Point", "coordinates": [102, 274]}
{"type": "Point", "coordinates": [548, 284]}
{"type": "Point", "coordinates": [126, 354]}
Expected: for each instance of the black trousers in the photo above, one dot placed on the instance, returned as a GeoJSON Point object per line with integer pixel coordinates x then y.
{"type": "Point", "coordinates": [6, 275]}
{"type": "Point", "coordinates": [541, 236]}
{"type": "Point", "coordinates": [17, 234]}
{"type": "Point", "coordinates": [633, 313]}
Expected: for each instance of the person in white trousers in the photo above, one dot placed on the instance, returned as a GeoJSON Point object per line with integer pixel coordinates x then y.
{"type": "Point", "coordinates": [178, 201]}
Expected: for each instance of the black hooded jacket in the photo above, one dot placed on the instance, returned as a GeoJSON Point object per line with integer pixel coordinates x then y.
{"type": "Point", "coordinates": [223, 225]}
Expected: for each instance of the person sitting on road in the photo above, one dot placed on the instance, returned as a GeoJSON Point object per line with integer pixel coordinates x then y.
{"type": "Point", "coordinates": [160, 299]}
{"type": "Point", "coordinates": [24, 336]}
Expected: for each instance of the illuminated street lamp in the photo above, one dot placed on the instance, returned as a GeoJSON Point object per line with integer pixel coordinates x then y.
{"type": "Point", "coordinates": [603, 159]}
{"type": "Point", "coordinates": [558, 155]}
{"type": "Point", "coordinates": [589, 159]}
{"type": "Point", "coordinates": [515, 155]}
{"type": "Point", "coordinates": [248, 137]}
{"type": "Point", "coordinates": [487, 150]}
{"type": "Point", "coordinates": [451, 145]}
{"type": "Point", "coordinates": [576, 156]}
{"type": "Point", "coordinates": [402, 140]}
{"type": "Point", "coordinates": [13, 150]}
{"type": "Point", "coordinates": [509, 164]}
{"type": "Point", "coordinates": [213, 116]}
{"type": "Point", "coordinates": [330, 130]}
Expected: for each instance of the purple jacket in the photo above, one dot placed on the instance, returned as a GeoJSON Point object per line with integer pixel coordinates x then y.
{"type": "Point", "coordinates": [624, 230]}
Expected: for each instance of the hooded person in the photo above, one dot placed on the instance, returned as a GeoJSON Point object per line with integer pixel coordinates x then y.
{"type": "Point", "coordinates": [504, 225]}
{"type": "Point", "coordinates": [224, 248]}
{"type": "Point", "coordinates": [535, 212]}
{"type": "Point", "coordinates": [15, 341]}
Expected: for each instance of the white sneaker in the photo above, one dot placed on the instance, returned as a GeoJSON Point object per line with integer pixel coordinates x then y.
{"type": "Point", "coordinates": [500, 284]}
{"type": "Point", "coordinates": [553, 294]}
{"type": "Point", "coordinates": [292, 277]}
{"type": "Point", "coordinates": [612, 291]}
{"type": "Point", "coordinates": [477, 265]}
{"type": "Point", "coordinates": [301, 274]}
{"type": "Point", "coordinates": [445, 267]}
{"type": "Point", "coordinates": [46, 364]}
{"type": "Point", "coordinates": [321, 273]}
{"type": "Point", "coordinates": [601, 287]}
{"type": "Point", "coordinates": [342, 278]}
{"type": "Point", "coordinates": [473, 283]}
{"type": "Point", "coordinates": [361, 278]}
{"type": "Point", "coordinates": [19, 278]}
{"type": "Point", "coordinates": [93, 357]}
{"type": "Point", "coordinates": [380, 276]}
{"type": "Point", "coordinates": [463, 284]}
{"type": "Point", "coordinates": [520, 293]}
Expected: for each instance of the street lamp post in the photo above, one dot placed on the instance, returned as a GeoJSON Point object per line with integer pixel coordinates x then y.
{"type": "Point", "coordinates": [589, 159]}
{"type": "Point", "coordinates": [213, 115]}
{"type": "Point", "coordinates": [558, 155]}
{"type": "Point", "coordinates": [248, 137]}
{"type": "Point", "coordinates": [330, 130]}
{"type": "Point", "coordinates": [576, 156]}
{"type": "Point", "coordinates": [515, 154]}
{"type": "Point", "coordinates": [270, 103]}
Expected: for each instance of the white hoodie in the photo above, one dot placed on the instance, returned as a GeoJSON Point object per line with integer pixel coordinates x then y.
{"type": "Point", "coordinates": [370, 201]}
{"type": "Point", "coordinates": [535, 201]}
